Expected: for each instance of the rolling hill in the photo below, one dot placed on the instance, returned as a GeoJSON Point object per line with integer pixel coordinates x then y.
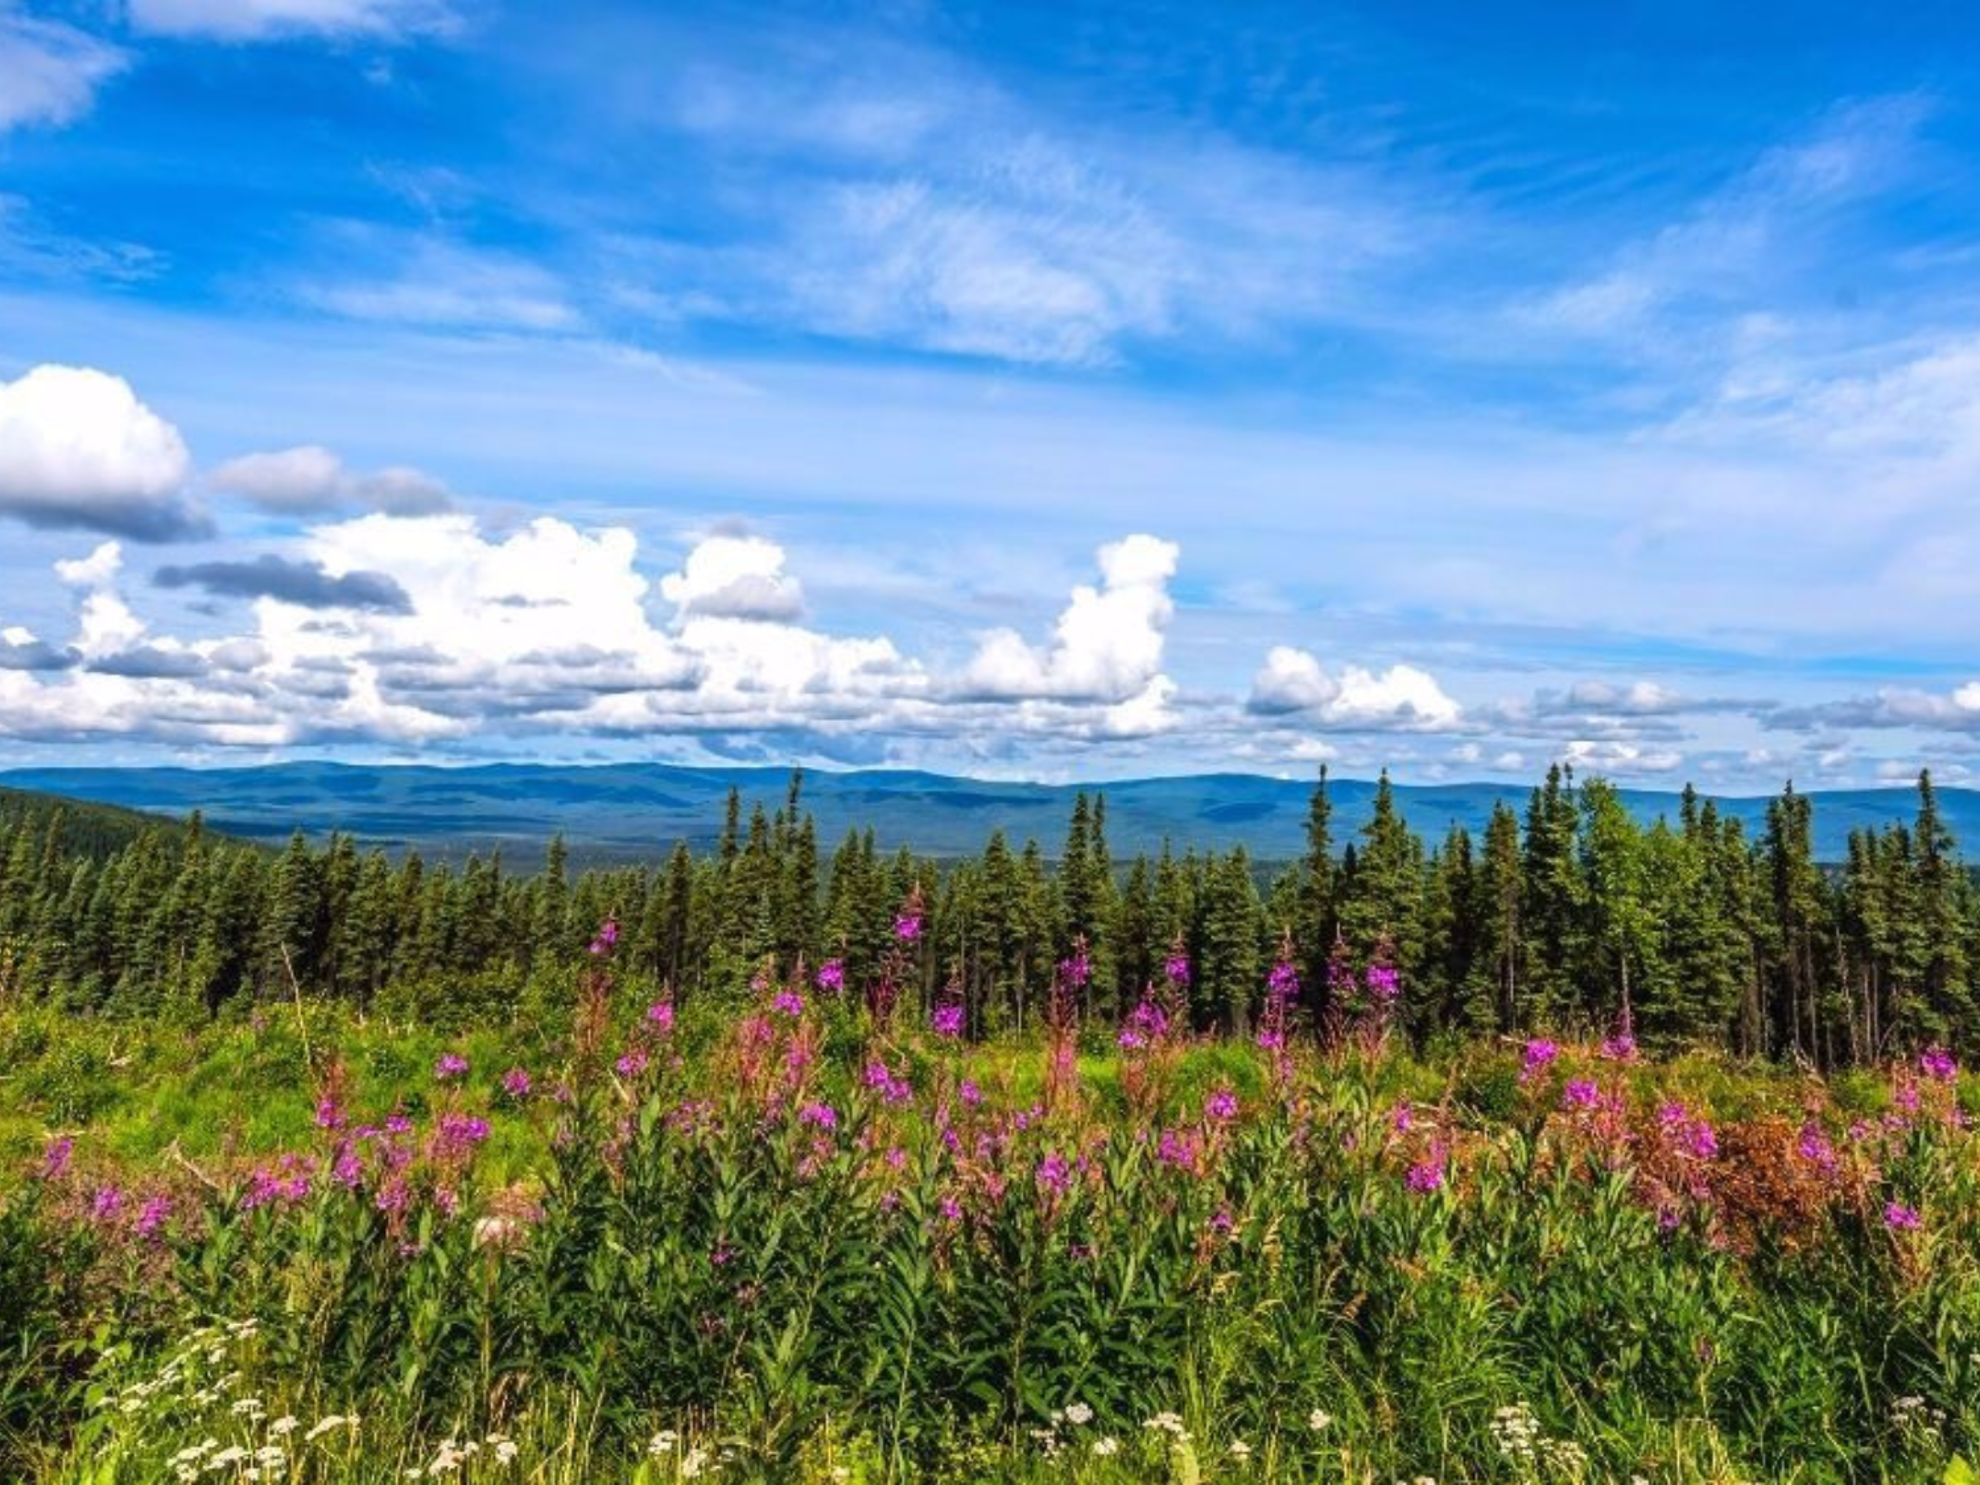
{"type": "Point", "coordinates": [636, 811]}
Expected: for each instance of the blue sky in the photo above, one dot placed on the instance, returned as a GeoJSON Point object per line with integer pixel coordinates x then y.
{"type": "Point", "coordinates": [1069, 391]}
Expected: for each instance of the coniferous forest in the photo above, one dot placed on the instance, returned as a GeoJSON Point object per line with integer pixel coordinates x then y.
{"type": "Point", "coordinates": [1570, 915]}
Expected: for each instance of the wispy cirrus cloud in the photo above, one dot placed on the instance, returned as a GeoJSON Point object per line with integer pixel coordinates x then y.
{"type": "Point", "coordinates": [50, 72]}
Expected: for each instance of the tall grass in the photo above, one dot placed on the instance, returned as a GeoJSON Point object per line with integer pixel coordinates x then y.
{"type": "Point", "coordinates": [803, 1240]}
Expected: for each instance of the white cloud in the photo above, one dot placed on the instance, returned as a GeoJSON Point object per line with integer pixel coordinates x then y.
{"type": "Point", "coordinates": [735, 577]}
{"type": "Point", "coordinates": [49, 72]}
{"type": "Point", "coordinates": [260, 20]}
{"type": "Point", "coordinates": [428, 281]}
{"type": "Point", "coordinates": [1107, 645]}
{"type": "Point", "coordinates": [77, 449]}
{"type": "Point", "coordinates": [310, 480]}
{"type": "Point", "coordinates": [1608, 757]}
{"type": "Point", "coordinates": [1293, 684]}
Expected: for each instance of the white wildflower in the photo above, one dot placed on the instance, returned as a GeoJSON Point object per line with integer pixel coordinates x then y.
{"type": "Point", "coordinates": [329, 1424]}
{"type": "Point", "coordinates": [1240, 1450]}
{"type": "Point", "coordinates": [1107, 1446]}
{"type": "Point", "coordinates": [288, 1423]}
{"type": "Point", "coordinates": [1318, 1419]}
{"type": "Point", "coordinates": [1079, 1414]}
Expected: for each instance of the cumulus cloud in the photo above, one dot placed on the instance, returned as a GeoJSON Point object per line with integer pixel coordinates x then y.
{"type": "Point", "coordinates": [1611, 757]}
{"type": "Point", "coordinates": [49, 72]}
{"type": "Point", "coordinates": [735, 577]}
{"type": "Point", "coordinates": [310, 480]}
{"type": "Point", "coordinates": [20, 649]}
{"type": "Point", "coordinates": [551, 628]}
{"type": "Point", "coordinates": [305, 584]}
{"type": "Point", "coordinates": [1894, 706]}
{"type": "Point", "coordinates": [1107, 645]}
{"type": "Point", "coordinates": [1293, 684]}
{"type": "Point", "coordinates": [261, 20]}
{"type": "Point", "coordinates": [79, 450]}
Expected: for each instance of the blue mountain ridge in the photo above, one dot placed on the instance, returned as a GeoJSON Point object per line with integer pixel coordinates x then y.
{"type": "Point", "coordinates": [636, 811]}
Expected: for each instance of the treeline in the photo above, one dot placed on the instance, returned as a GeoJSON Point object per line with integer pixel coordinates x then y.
{"type": "Point", "coordinates": [1572, 914]}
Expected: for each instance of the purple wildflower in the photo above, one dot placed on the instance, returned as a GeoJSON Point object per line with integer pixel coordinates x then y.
{"type": "Point", "coordinates": [789, 1003]}
{"type": "Point", "coordinates": [831, 976]}
{"type": "Point", "coordinates": [1537, 1056]}
{"type": "Point", "coordinates": [1384, 984]}
{"type": "Point", "coordinates": [328, 1115]}
{"type": "Point", "coordinates": [55, 1158]}
{"type": "Point", "coordinates": [947, 1020]}
{"type": "Point", "coordinates": [451, 1065]}
{"type": "Point", "coordinates": [515, 1083]}
{"type": "Point", "coordinates": [1175, 969]}
{"type": "Point", "coordinates": [632, 1064]}
{"type": "Point", "coordinates": [106, 1204]}
{"type": "Point", "coordinates": [1221, 1107]}
{"type": "Point", "coordinates": [1580, 1093]}
{"type": "Point", "coordinates": [1054, 1174]}
{"type": "Point", "coordinates": [660, 1015]}
{"type": "Point", "coordinates": [1816, 1149]}
{"type": "Point", "coordinates": [153, 1216]}
{"type": "Point", "coordinates": [823, 1115]}
{"type": "Point", "coordinates": [1937, 1064]}
{"type": "Point", "coordinates": [907, 927]}
{"type": "Point", "coordinates": [1900, 1218]}
{"type": "Point", "coordinates": [969, 1093]}
{"type": "Point", "coordinates": [1427, 1175]}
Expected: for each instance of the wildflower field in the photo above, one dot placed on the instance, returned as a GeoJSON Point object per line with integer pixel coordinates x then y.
{"type": "Point", "coordinates": [822, 1236]}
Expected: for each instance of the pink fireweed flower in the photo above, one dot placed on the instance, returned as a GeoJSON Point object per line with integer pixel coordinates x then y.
{"type": "Point", "coordinates": [458, 1134]}
{"type": "Point", "coordinates": [882, 1080]}
{"type": "Point", "coordinates": [1814, 1147]}
{"type": "Point", "coordinates": [789, 1003]}
{"type": "Point", "coordinates": [969, 1093]}
{"type": "Point", "coordinates": [1900, 1218]}
{"type": "Point", "coordinates": [1937, 1064]}
{"type": "Point", "coordinates": [106, 1204]}
{"type": "Point", "coordinates": [452, 1065]}
{"type": "Point", "coordinates": [1427, 1175]}
{"type": "Point", "coordinates": [284, 1183]}
{"type": "Point", "coordinates": [1580, 1093]}
{"type": "Point", "coordinates": [1221, 1106]}
{"type": "Point", "coordinates": [328, 1115]}
{"type": "Point", "coordinates": [1074, 972]}
{"type": "Point", "coordinates": [951, 1209]}
{"type": "Point", "coordinates": [608, 935]}
{"type": "Point", "coordinates": [1402, 1117]}
{"type": "Point", "coordinates": [831, 976]}
{"type": "Point", "coordinates": [515, 1083]}
{"type": "Point", "coordinates": [1177, 1147]}
{"type": "Point", "coordinates": [823, 1115]}
{"type": "Point", "coordinates": [398, 1124]}
{"type": "Point", "coordinates": [1054, 1175]}
{"type": "Point", "coordinates": [1536, 1057]}
{"type": "Point", "coordinates": [947, 1020]}
{"type": "Point", "coordinates": [55, 1157]}
{"type": "Point", "coordinates": [907, 927]}
{"type": "Point", "coordinates": [1384, 984]}
{"type": "Point", "coordinates": [153, 1216]}
{"type": "Point", "coordinates": [1906, 1096]}
{"type": "Point", "coordinates": [1620, 1048]}
{"type": "Point", "coordinates": [347, 1169]}
{"type": "Point", "coordinates": [632, 1064]}
{"type": "Point", "coordinates": [1283, 980]}
{"type": "Point", "coordinates": [660, 1016]}
{"type": "Point", "coordinates": [1175, 969]}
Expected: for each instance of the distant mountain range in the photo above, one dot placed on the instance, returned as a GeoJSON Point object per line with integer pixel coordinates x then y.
{"type": "Point", "coordinates": [637, 811]}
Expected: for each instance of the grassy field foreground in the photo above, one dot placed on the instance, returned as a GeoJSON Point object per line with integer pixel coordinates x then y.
{"type": "Point", "coordinates": [816, 1237]}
